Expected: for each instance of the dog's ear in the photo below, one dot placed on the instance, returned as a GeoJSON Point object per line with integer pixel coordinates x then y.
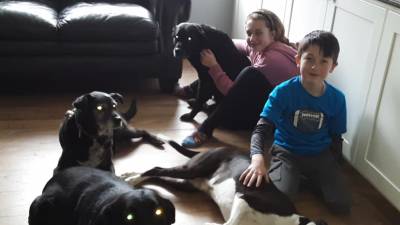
{"type": "Point", "coordinates": [203, 36]}
{"type": "Point", "coordinates": [81, 102]}
{"type": "Point", "coordinates": [117, 97]}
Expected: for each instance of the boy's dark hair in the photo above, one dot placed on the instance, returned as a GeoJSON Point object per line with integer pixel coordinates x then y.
{"type": "Point", "coordinates": [326, 41]}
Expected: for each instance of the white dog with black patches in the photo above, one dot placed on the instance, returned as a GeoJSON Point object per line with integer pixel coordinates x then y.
{"type": "Point", "coordinates": [216, 172]}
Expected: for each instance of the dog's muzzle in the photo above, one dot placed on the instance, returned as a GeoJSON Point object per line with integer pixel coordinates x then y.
{"type": "Point", "coordinates": [117, 120]}
{"type": "Point", "coordinates": [179, 53]}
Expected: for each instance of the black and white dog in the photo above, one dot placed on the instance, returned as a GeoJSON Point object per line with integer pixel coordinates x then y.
{"type": "Point", "coordinates": [217, 172]}
{"type": "Point", "coordinates": [88, 196]}
{"type": "Point", "coordinates": [190, 40]}
{"type": "Point", "coordinates": [89, 131]}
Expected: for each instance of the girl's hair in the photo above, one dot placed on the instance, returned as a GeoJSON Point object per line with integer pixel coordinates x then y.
{"type": "Point", "coordinates": [272, 21]}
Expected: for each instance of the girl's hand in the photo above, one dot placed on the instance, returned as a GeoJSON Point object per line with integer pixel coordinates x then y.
{"type": "Point", "coordinates": [207, 58]}
{"type": "Point", "coordinates": [255, 173]}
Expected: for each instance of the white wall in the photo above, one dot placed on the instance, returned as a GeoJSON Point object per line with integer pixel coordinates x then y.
{"type": "Point", "coordinates": [216, 13]}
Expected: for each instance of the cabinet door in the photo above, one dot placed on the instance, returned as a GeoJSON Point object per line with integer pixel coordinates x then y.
{"type": "Point", "coordinates": [281, 8]}
{"type": "Point", "coordinates": [242, 9]}
{"type": "Point", "coordinates": [306, 16]}
{"type": "Point", "coordinates": [358, 27]}
{"type": "Point", "coordinates": [378, 155]}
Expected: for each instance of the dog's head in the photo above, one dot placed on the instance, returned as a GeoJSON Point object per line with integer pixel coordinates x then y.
{"type": "Point", "coordinates": [138, 207]}
{"type": "Point", "coordinates": [96, 113]}
{"type": "Point", "coordinates": [190, 38]}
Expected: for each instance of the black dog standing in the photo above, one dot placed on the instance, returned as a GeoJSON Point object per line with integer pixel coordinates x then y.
{"type": "Point", "coordinates": [89, 131]}
{"type": "Point", "coordinates": [190, 40]}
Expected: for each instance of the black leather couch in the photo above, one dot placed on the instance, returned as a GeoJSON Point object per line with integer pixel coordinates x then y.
{"type": "Point", "coordinates": [90, 44]}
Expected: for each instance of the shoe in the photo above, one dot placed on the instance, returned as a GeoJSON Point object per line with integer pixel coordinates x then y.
{"type": "Point", "coordinates": [183, 93]}
{"type": "Point", "coordinates": [195, 140]}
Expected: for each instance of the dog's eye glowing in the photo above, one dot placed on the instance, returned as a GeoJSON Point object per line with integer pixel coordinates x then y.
{"type": "Point", "coordinates": [158, 212]}
{"type": "Point", "coordinates": [99, 107]}
{"type": "Point", "coordinates": [130, 217]}
{"type": "Point", "coordinates": [114, 106]}
{"type": "Point", "coordinates": [177, 37]}
{"type": "Point", "coordinates": [189, 38]}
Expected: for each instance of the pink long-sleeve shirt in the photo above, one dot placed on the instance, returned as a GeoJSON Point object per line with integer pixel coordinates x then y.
{"type": "Point", "coordinates": [276, 62]}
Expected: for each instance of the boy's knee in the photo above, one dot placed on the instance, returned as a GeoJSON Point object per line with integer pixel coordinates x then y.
{"type": "Point", "coordinates": [285, 185]}
{"type": "Point", "coordinates": [286, 189]}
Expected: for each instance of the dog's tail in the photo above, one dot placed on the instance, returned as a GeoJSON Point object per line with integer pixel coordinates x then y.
{"type": "Point", "coordinates": [184, 151]}
{"type": "Point", "coordinates": [128, 115]}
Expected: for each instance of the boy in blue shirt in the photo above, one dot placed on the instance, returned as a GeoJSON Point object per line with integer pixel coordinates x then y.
{"type": "Point", "coordinates": [309, 117]}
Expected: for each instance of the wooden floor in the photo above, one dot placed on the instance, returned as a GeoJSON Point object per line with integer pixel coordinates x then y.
{"type": "Point", "coordinates": [29, 150]}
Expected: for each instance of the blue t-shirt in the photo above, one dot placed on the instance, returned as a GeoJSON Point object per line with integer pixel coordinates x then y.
{"type": "Point", "coordinates": [304, 123]}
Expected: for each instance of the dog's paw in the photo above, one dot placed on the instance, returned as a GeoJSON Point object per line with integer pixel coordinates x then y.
{"type": "Point", "coordinates": [128, 174]}
{"type": "Point", "coordinates": [186, 117]}
{"type": "Point", "coordinates": [133, 178]}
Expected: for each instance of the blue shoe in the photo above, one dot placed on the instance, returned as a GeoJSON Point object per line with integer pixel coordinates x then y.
{"type": "Point", "coordinates": [195, 140]}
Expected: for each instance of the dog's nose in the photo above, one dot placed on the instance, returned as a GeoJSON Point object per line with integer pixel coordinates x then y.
{"type": "Point", "coordinates": [178, 53]}
{"type": "Point", "coordinates": [117, 120]}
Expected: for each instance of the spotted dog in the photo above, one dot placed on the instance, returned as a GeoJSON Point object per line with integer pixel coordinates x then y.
{"type": "Point", "coordinates": [216, 172]}
{"type": "Point", "coordinates": [90, 130]}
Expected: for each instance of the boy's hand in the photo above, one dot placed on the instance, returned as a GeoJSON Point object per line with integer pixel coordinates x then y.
{"type": "Point", "coordinates": [255, 173]}
{"type": "Point", "coordinates": [207, 58]}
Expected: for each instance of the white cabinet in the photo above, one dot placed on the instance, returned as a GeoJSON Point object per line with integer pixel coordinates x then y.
{"type": "Point", "coordinates": [378, 155]}
{"type": "Point", "coordinates": [242, 9]}
{"type": "Point", "coordinates": [358, 26]}
{"type": "Point", "coordinates": [368, 73]}
{"type": "Point", "coordinates": [306, 16]}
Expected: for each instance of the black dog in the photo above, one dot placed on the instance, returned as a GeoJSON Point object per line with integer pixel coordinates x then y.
{"type": "Point", "coordinates": [190, 40]}
{"type": "Point", "coordinates": [89, 131]}
{"type": "Point", "coordinates": [88, 196]}
{"type": "Point", "coordinates": [217, 172]}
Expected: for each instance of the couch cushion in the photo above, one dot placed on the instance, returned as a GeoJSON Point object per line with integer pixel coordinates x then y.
{"type": "Point", "coordinates": [107, 22]}
{"type": "Point", "coordinates": [56, 48]}
{"type": "Point", "coordinates": [25, 20]}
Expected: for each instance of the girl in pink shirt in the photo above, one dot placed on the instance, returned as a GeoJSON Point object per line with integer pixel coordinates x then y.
{"type": "Point", "coordinates": [272, 62]}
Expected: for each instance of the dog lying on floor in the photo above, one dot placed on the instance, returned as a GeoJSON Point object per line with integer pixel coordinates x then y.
{"type": "Point", "coordinates": [88, 196]}
{"type": "Point", "coordinates": [190, 40]}
{"type": "Point", "coordinates": [89, 131]}
{"type": "Point", "coordinates": [216, 172]}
